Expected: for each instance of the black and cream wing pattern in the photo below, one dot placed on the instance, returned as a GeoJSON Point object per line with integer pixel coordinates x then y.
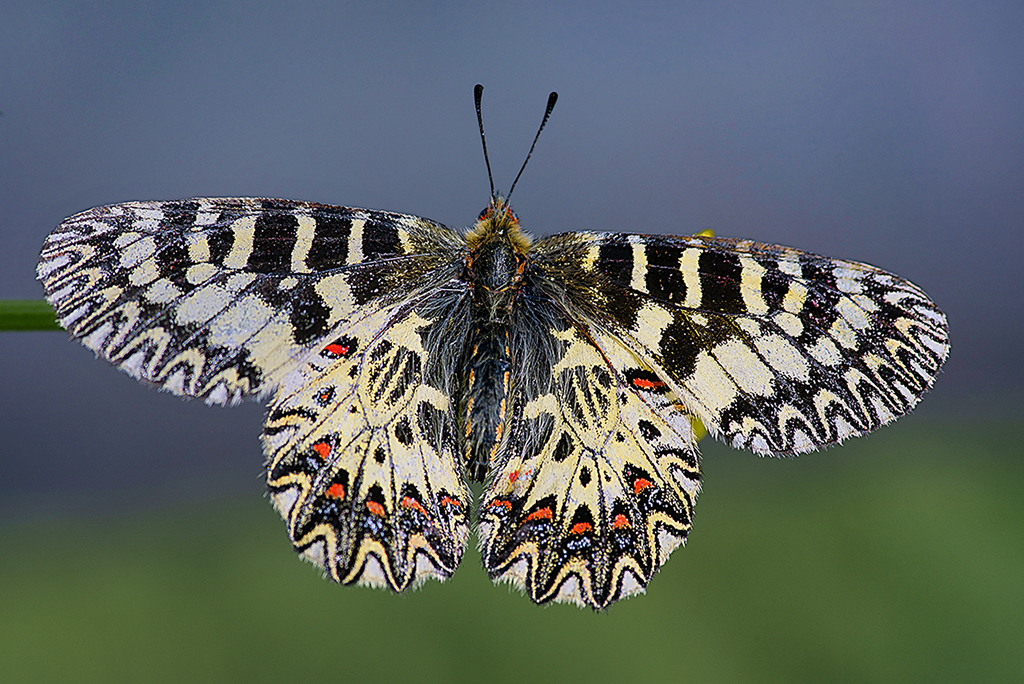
{"type": "Point", "coordinates": [402, 359]}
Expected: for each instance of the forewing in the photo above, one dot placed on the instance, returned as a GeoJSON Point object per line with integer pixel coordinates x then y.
{"type": "Point", "coordinates": [598, 479]}
{"type": "Point", "coordinates": [220, 298]}
{"type": "Point", "coordinates": [774, 349]}
{"type": "Point", "coordinates": [361, 448]}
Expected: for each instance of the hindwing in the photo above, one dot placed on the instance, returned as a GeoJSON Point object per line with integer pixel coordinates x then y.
{"type": "Point", "coordinates": [361, 449]}
{"type": "Point", "coordinates": [597, 484]}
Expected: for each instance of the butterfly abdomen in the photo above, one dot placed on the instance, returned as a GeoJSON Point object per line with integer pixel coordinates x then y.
{"type": "Point", "coordinates": [487, 385]}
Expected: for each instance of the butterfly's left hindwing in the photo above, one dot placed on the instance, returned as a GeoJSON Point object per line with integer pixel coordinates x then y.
{"type": "Point", "coordinates": [597, 483]}
{"type": "Point", "coordinates": [774, 349]}
{"type": "Point", "coordinates": [220, 298]}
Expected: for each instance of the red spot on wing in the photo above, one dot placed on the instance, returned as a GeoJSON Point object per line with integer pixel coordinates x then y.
{"type": "Point", "coordinates": [449, 501]}
{"type": "Point", "coordinates": [581, 528]}
{"type": "Point", "coordinates": [323, 449]}
{"type": "Point", "coordinates": [337, 349]}
{"type": "Point", "coordinates": [640, 484]}
{"type": "Point", "coordinates": [620, 522]}
{"type": "Point", "coordinates": [518, 474]}
{"type": "Point", "coordinates": [409, 502]}
{"type": "Point", "coordinates": [540, 514]}
{"type": "Point", "coordinates": [375, 508]}
{"type": "Point", "coordinates": [646, 384]}
{"type": "Point", "coordinates": [336, 491]}
{"type": "Point", "coordinates": [501, 503]}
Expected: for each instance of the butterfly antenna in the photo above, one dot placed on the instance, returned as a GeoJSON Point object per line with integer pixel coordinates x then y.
{"type": "Point", "coordinates": [552, 99]}
{"type": "Point", "coordinates": [478, 92]}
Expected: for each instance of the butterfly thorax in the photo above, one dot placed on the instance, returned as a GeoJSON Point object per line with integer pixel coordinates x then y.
{"type": "Point", "coordinates": [495, 264]}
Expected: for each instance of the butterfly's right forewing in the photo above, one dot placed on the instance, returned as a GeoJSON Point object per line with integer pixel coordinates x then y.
{"type": "Point", "coordinates": [221, 298]}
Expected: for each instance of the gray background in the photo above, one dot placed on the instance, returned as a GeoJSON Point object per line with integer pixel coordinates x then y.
{"type": "Point", "coordinates": [884, 132]}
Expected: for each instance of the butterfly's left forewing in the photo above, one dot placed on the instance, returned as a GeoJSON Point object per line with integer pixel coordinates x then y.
{"type": "Point", "coordinates": [773, 349]}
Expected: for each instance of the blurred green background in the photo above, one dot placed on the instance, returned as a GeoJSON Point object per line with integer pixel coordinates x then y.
{"type": "Point", "coordinates": [898, 557]}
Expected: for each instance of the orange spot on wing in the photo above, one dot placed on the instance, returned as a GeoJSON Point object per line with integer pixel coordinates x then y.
{"type": "Point", "coordinates": [375, 508]}
{"type": "Point", "coordinates": [620, 522]}
{"type": "Point", "coordinates": [501, 503]}
{"type": "Point", "coordinates": [540, 514]}
{"type": "Point", "coordinates": [415, 505]}
{"type": "Point", "coordinates": [581, 528]}
{"type": "Point", "coordinates": [323, 449]}
{"type": "Point", "coordinates": [449, 501]}
{"type": "Point", "coordinates": [336, 491]}
{"type": "Point", "coordinates": [469, 410]}
{"type": "Point", "coordinates": [641, 484]}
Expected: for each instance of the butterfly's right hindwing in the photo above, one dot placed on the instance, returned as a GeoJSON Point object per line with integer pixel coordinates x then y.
{"type": "Point", "coordinates": [361, 447]}
{"type": "Point", "coordinates": [220, 298]}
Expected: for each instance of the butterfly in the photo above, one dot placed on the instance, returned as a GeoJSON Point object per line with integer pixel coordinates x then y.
{"type": "Point", "coordinates": [402, 358]}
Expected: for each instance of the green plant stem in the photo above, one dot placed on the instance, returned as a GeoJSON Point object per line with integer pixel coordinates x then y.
{"type": "Point", "coordinates": [27, 315]}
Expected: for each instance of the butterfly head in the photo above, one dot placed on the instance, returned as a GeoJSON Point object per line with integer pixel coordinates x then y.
{"type": "Point", "coordinates": [498, 210]}
{"type": "Point", "coordinates": [498, 222]}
